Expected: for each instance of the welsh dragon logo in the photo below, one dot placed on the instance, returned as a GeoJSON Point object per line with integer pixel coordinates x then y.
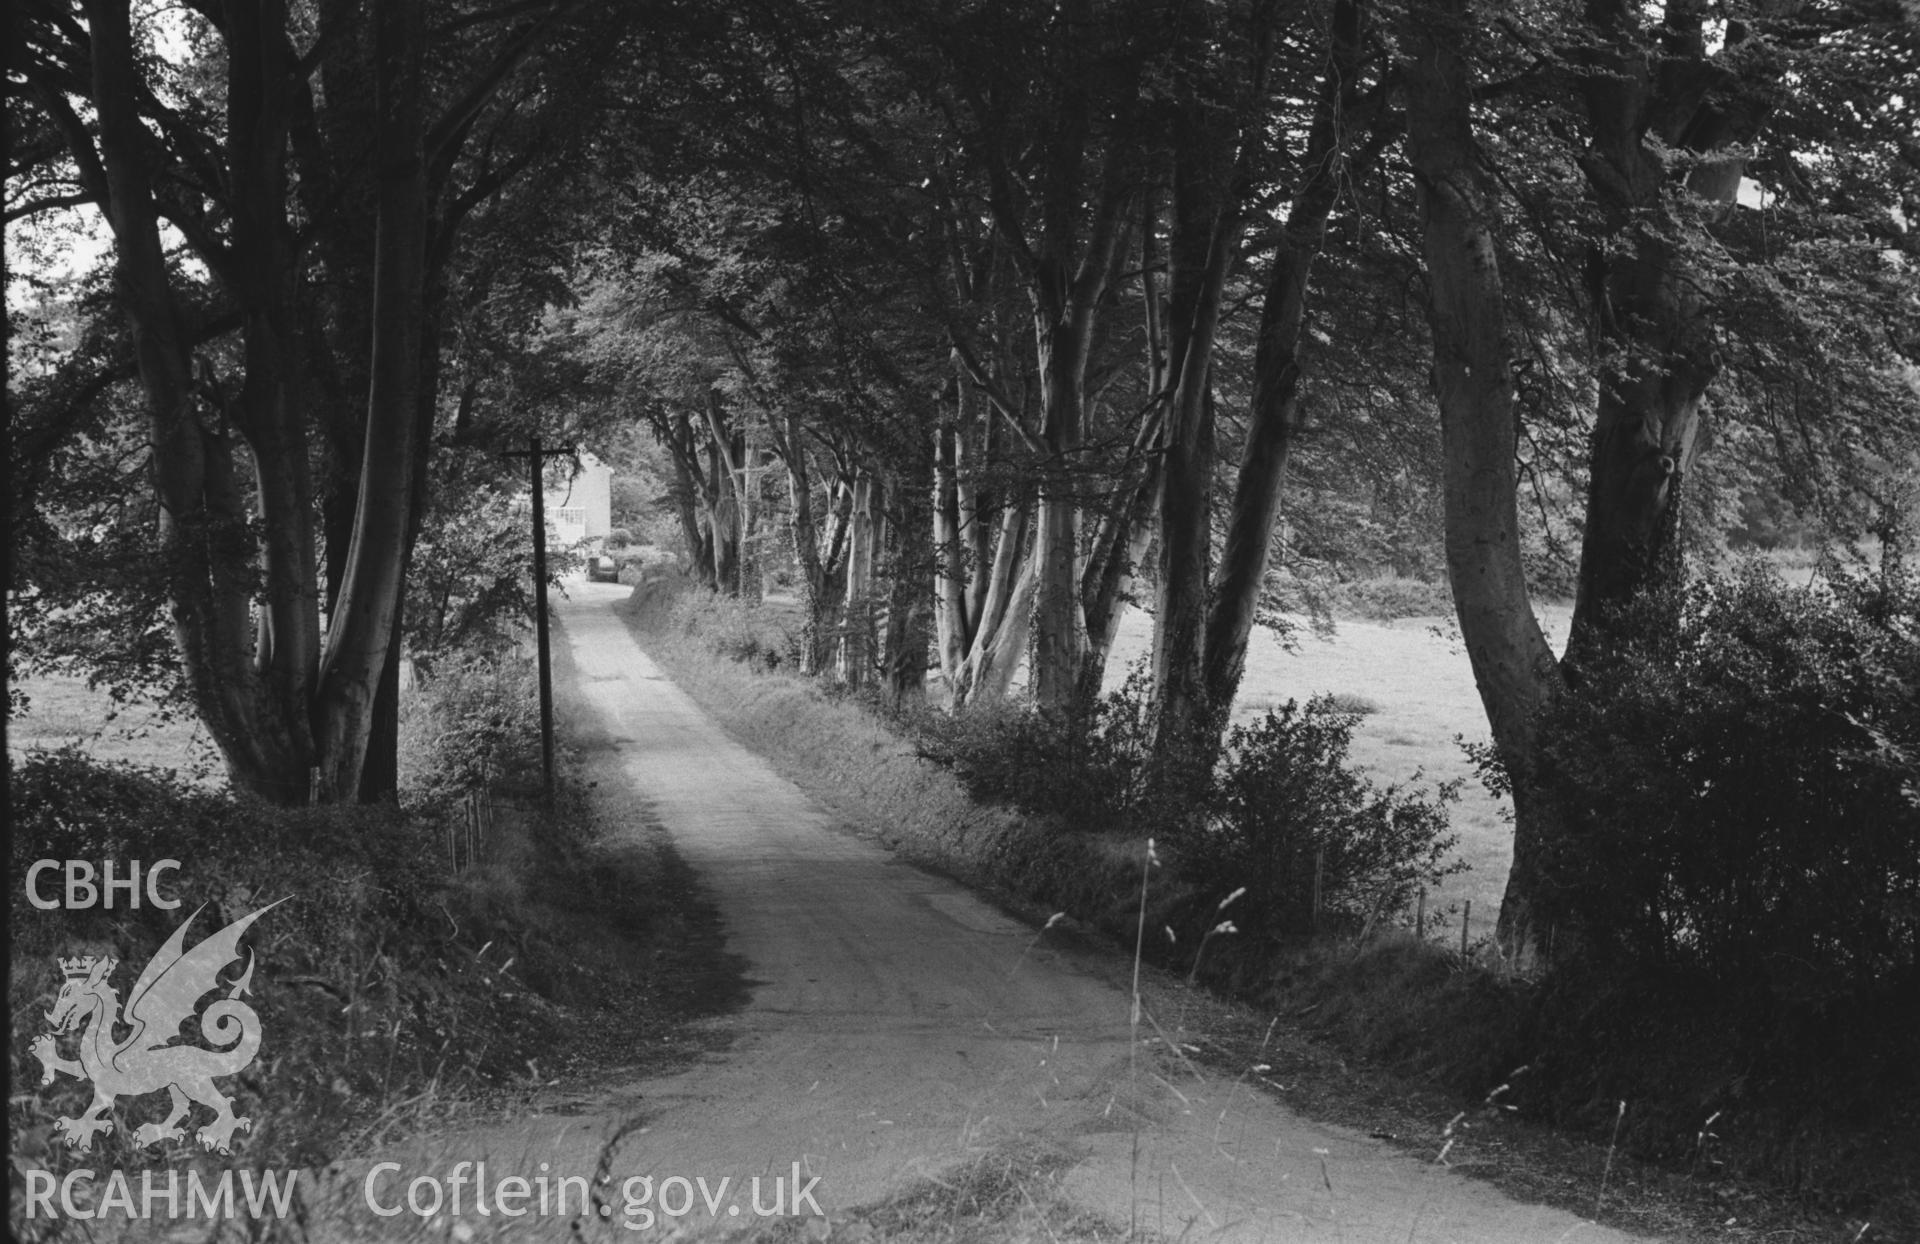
{"type": "Point", "coordinates": [145, 1061]}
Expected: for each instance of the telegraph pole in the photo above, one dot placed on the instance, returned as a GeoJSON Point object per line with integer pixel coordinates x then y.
{"type": "Point", "coordinates": [536, 459]}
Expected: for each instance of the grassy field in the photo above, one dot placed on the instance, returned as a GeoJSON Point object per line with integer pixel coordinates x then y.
{"type": "Point", "coordinates": [1416, 674]}
{"type": "Point", "coordinates": [63, 711]}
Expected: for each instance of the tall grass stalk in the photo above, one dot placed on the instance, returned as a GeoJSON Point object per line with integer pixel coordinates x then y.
{"type": "Point", "coordinates": [1225, 926]}
{"type": "Point", "coordinates": [1612, 1146]}
{"type": "Point", "coordinates": [1133, 1041]}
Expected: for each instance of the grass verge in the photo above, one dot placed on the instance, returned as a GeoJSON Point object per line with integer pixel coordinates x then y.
{"type": "Point", "coordinates": [394, 994]}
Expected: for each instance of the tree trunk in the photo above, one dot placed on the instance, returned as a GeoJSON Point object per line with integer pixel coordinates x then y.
{"type": "Point", "coordinates": [1274, 421]}
{"type": "Point", "coordinates": [1512, 664]}
{"type": "Point", "coordinates": [905, 648]}
{"type": "Point", "coordinates": [259, 73]}
{"type": "Point", "coordinates": [1186, 556]}
{"type": "Point", "coordinates": [1059, 630]}
{"type": "Point", "coordinates": [1653, 309]}
{"type": "Point", "coordinates": [824, 601]}
{"type": "Point", "coordinates": [1084, 229]}
{"type": "Point", "coordinates": [973, 454]}
{"type": "Point", "coordinates": [1274, 414]}
{"type": "Point", "coordinates": [723, 520]}
{"type": "Point", "coordinates": [1213, 148]}
{"type": "Point", "coordinates": [203, 519]}
{"type": "Point", "coordinates": [1131, 524]}
{"type": "Point", "coordinates": [1000, 635]}
{"type": "Point", "coordinates": [856, 628]}
{"type": "Point", "coordinates": [1107, 583]}
{"type": "Point", "coordinates": [729, 453]}
{"type": "Point", "coordinates": [805, 534]}
{"type": "Point", "coordinates": [952, 623]}
{"type": "Point", "coordinates": [380, 774]}
{"type": "Point", "coordinates": [362, 625]}
{"type": "Point", "coordinates": [690, 498]}
{"type": "Point", "coordinates": [997, 653]}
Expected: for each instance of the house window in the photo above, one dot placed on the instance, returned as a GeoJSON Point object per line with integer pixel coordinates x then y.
{"type": "Point", "coordinates": [571, 516]}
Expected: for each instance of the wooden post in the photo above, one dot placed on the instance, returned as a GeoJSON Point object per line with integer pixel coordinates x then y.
{"type": "Point", "coordinates": [1420, 917]}
{"type": "Point", "coordinates": [540, 616]}
{"type": "Point", "coordinates": [536, 459]}
{"type": "Point", "coordinates": [1466, 920]}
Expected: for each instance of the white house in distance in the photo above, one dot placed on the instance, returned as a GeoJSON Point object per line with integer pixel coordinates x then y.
{"type": "Point", "coordinates": [581, 510]}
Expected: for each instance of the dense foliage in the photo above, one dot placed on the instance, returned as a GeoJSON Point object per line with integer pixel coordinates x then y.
{"type": "Point", "coordinates": [475, 726]}
{"type": "Point", "coordinates": [1740, 920]}
{"type": "Point", "coordinates": [1294, 822]}
{"type": "Point", "coordinates": [1769, 840]}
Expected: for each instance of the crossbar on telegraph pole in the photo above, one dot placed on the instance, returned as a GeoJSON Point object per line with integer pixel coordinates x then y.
{"type": "Point", "coordinates": [536, 458]}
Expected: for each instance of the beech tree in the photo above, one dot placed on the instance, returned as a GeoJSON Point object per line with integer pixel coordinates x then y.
{"type": "Point", "coordinates": [233, 151]}
{"type": "Point", "coordinates": [1513, 666]}
{"type": "Point", "coordinates": [1046, 108]}
{"type": "Point", "coordinates": [1660, 127]}
{"type": "Point", "coordinates": [1204, 619]}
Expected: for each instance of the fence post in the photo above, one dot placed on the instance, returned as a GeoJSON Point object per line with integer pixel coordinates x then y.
{"type": "Point", "coordinates": [1466, 920]}
{"type": "Point", "coordinates": [1420, 917]}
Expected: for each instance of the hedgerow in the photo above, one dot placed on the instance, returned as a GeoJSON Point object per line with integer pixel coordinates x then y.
{"type": "Point", "coordinates": [1737, 883]}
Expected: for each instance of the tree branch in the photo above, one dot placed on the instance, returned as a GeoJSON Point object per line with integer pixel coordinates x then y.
{"type": "Point", "coordinates": [446, 135]}
{"type": "Point", "coordinates": [45, 436]}
{"type": "Point", "coordinates": [996, 396]}
{"type": "Point", "coordinates": [35, 206]}
{"type": "Point", "coordinates": [93, 175]}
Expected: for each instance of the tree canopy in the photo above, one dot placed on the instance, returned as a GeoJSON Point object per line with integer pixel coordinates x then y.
{"type": "Point", "coordinates": [985, 321]}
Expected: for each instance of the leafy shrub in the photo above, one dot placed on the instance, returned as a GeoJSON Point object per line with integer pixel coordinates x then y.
{"type": "Point", "coordinates": [475, 723]}
{"type": "Point", "coordinates": [1769, 837]}
{"type": "Point", "coordinates": [619, 538]}
{"type": "Point", "coordinates": [1290, 810]}
{"type": "Point", "coordinates": [1742, 862]}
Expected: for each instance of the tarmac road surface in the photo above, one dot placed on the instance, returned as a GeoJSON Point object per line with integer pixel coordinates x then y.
{"type": "Point", "coordinates": [900, 1027]}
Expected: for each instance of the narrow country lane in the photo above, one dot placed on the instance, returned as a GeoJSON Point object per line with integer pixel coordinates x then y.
{"type": "Point", "coordinates": [899, 1027]}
